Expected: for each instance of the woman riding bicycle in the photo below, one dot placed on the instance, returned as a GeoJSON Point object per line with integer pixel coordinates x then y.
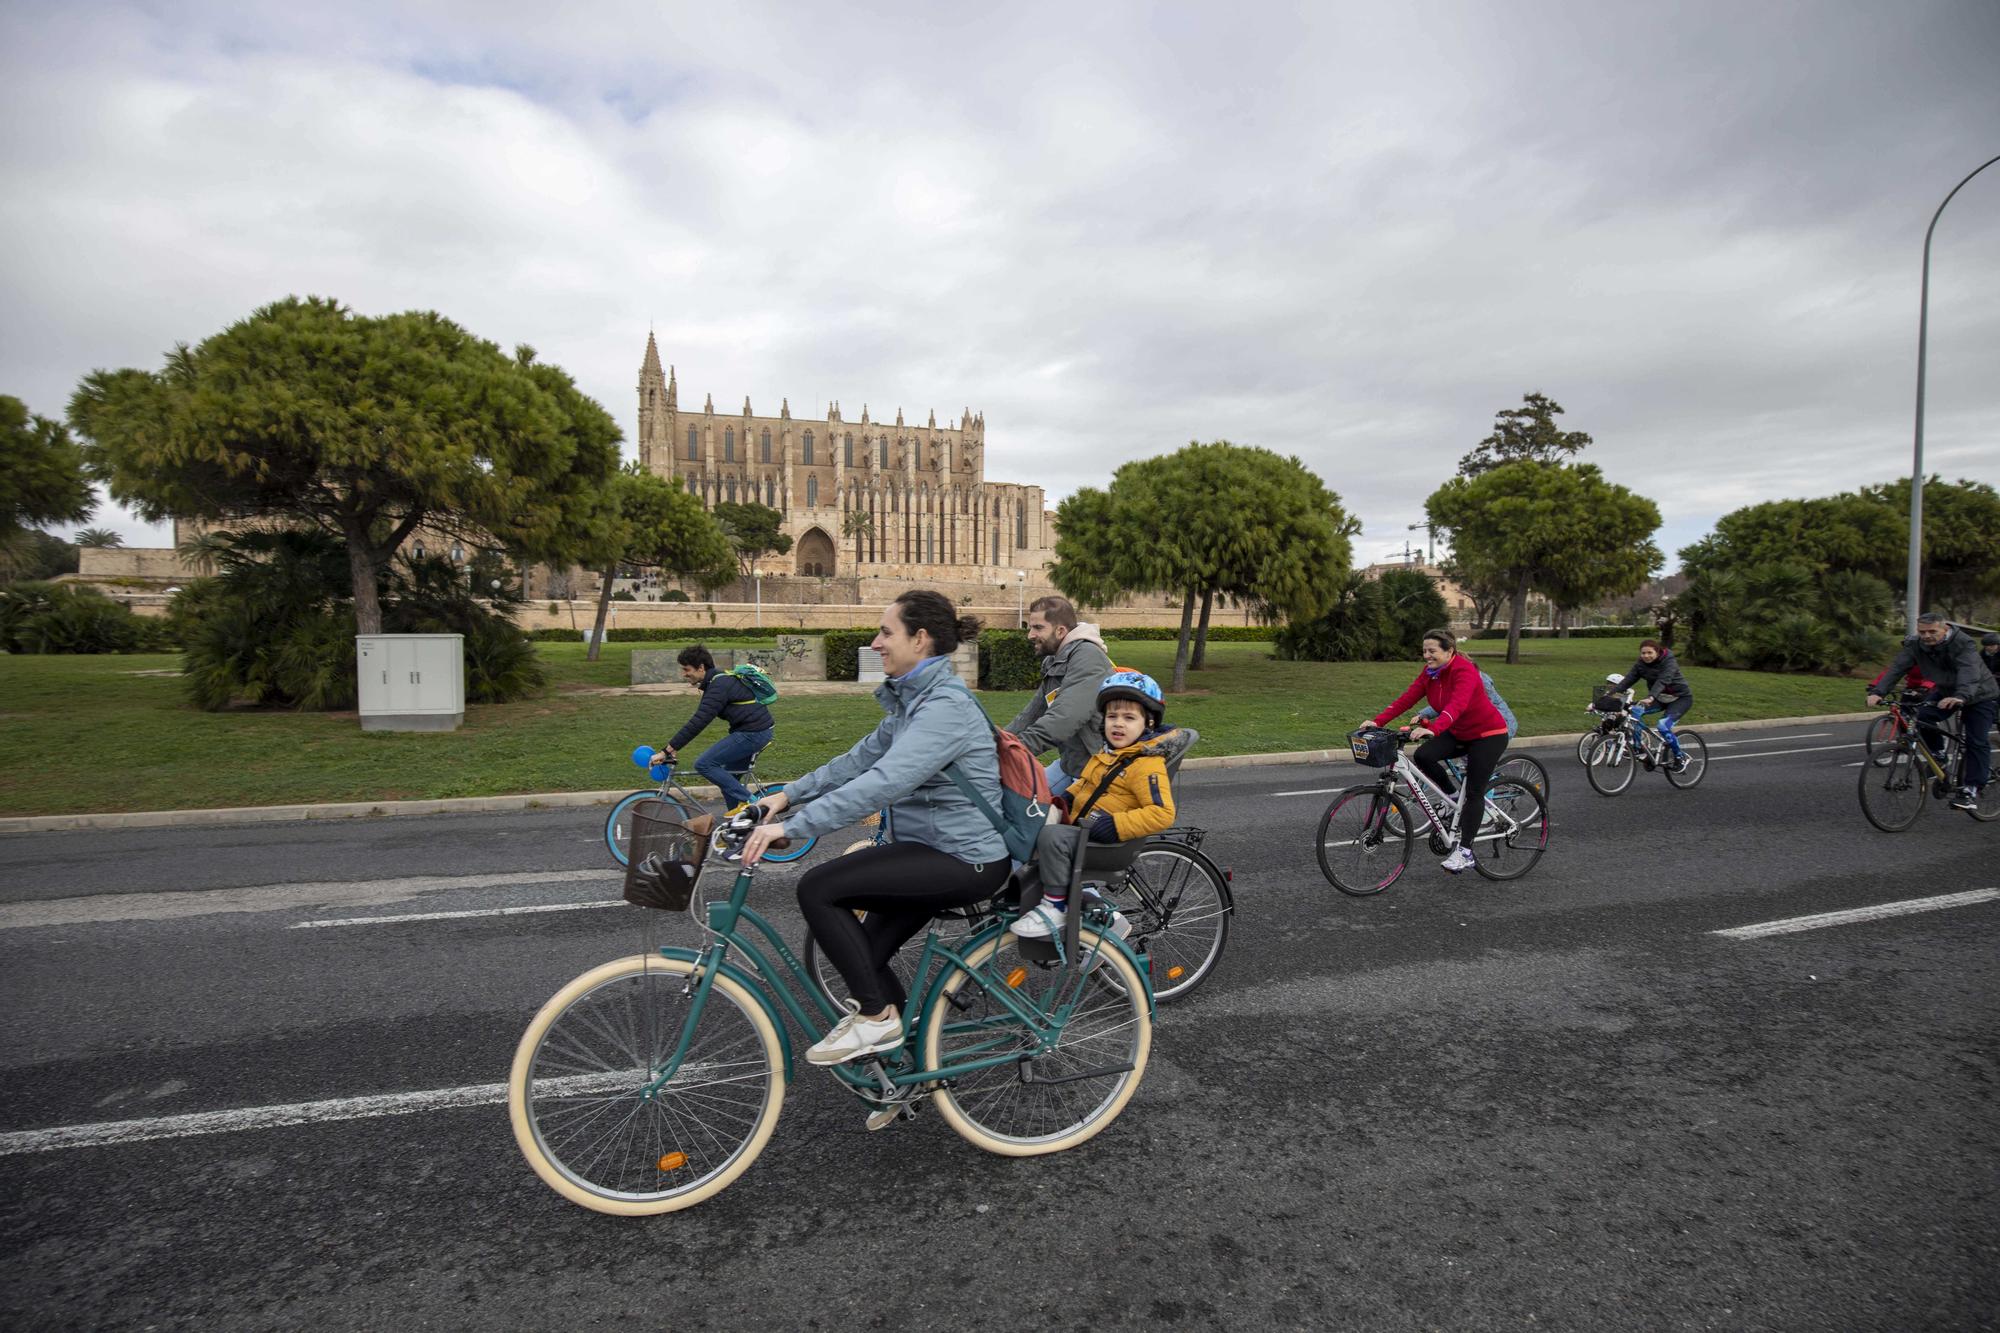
{"type": "Point", "coordinates": [1670, 690]}
{"type": "Point", "coordinates": [941, 850]}
{"type": "Point", "coordinates": [1467, 726]}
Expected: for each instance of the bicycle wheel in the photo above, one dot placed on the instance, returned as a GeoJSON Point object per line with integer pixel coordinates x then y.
{"type": "Point", "coordinates": [1695, 749]}
{"type": "Point", "coordinates": [799, 847]}
{"type": "Point", "coordinates": [1046, 1097]}
{"type": "Point", "coordinates": [1525, 768]}
{"type": "Point", "coordinates": [618, 824]}
{"type": "Point", "coordinates": [1519, 832]}
{"type": "Point", "coordinates": [1611, 767]}
{"type": "Point", "coordinates": [1989, 802]}
{"type": "Point", "coordinates": [1584, 743]}
{"type": "Point", "coordinates": [1893, 795]}
{"type": "Point", "coordinates": [1359, 851]}
{"type": "Point", "coordinates": [1179, 907]}
{"type": "Point", "coordinates": [574, 1092]}
{"type": "Point", "coordinates": [1881, 738]}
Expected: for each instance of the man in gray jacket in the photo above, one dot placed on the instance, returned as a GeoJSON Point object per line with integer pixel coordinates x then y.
{"type": "Point", "coordinates": [1062, 715]}
{"type": "Point", "coordinates": [1948, 656]}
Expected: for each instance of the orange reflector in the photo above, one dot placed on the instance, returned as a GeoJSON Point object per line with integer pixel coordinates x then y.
{"type": "Point", "coordinates": [673, 1161]}
{"type": "Point", "coordinates": [1174, 972]}
{"type": "Point", "coordinates": [1016, 977]}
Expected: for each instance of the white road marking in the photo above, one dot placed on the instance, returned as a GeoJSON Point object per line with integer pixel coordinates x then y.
{"type": "Point", "coordinates": [1312, 791]}
{"type": "Point", "coordinates": [173, 905]}
{"type": "Point", "coordinates": [452, 916]}
{"type": "Point", "coordinates": [1765, 740]}
{"type": "Point", "coordinates": [1790, 925]}
{"type": "Point", "coordinates": [1766, 754]}
{"type": "Point", "coordinates": [116, 1133]}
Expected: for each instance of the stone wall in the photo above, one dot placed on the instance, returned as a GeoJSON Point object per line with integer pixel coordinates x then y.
{"type": "Point", "coordinates": [717, 617]}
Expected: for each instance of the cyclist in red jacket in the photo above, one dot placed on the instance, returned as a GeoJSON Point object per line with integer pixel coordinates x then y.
{"type": "Point", "coordinates": [1467, 725]}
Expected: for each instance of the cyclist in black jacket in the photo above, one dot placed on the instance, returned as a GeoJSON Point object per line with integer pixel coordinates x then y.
{"type": "Point", "coordinates": [1949, 657]}
{"type": "Point", "coordinates": [1666, 687]}
{"type": "Point", "coordinates": [750, 724]}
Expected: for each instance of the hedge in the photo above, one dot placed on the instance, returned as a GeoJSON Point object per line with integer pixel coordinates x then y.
{"type": "Point", "coordinates": [843, 652]}
{"type": "Point", "coordinates": [1007, 661]}
{"type": "Point", "coordinates": [674, 634]}
{"type": "Point", "coordinates": [1590, 632]}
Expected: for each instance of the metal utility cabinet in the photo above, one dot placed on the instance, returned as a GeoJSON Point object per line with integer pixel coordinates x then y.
{"type": "Point", "coordinates": [411, 682]}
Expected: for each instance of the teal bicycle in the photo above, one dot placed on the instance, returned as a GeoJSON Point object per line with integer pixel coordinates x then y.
{"type": "Point", "coordinates": [652, 1082]}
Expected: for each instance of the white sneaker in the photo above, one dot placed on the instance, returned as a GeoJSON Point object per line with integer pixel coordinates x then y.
{"type": "Point", "coordinates": [1041, 921]}
{"type": "Point", "coordinates": [1460, 859]}
{"type": "Point", "coordinates": [855, 1036]}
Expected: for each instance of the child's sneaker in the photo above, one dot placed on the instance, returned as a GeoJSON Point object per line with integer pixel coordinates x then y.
{"type": "Point", "coordinates": [1965, 798]}
{"type": "Point", "coordinates": [1460, 859]}
{"type": "Point", "coordinates": [1041, 921]}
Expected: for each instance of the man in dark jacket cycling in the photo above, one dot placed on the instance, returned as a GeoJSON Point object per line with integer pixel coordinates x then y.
{"type": "Point", "coordinates": [750, 724]}
{"type": "Point", "coordinates": [1948, 656]}
{"type": "Point", "coordinates": [1667, 688]}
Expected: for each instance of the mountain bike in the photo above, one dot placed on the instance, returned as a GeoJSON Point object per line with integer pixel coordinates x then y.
{"type": "Point", "coordinates": [1617, 751]}
{"type": "Point", "coordinates": [618, 824]}
{"type": "Point", "coordinates": [1886, 732]}
{"type": "Point", "coordinates": [1893, 793]}
{"type": "Point", "coordinates": [652, 1082]}
{"type": "Point", "coordinates": [1368, 831]}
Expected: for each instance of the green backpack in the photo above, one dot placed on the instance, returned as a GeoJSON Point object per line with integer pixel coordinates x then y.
{"type": "Point", "coordinates": [762, 686]}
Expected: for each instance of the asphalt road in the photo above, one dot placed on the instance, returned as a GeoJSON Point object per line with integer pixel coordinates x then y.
{"type": "Point", "coordinates": [1562, 1102]}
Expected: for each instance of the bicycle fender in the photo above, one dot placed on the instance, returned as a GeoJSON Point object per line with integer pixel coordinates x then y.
{"type": "Point", "coordinates": [743, 979]}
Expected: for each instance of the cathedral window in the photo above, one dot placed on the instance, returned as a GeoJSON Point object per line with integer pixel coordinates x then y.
{"type": "Point", "coordinates": [694, 445]}
{"type": "Point", "coordinates": [847, 451]}
{"type": "Point", "coordinates": [730, 487]}
{"type": "Point", "coordinates": [885, 451]}
{"type": "Point", "coordinates": [764, 447]}
{"type": "Point", "coordinates": [812, 491]}
{"type": "Point", "coordinates": [807, 444]}
{"type": "Point", "coordinates": [729, 445]}
{"type": "Point", "coordinates": [1021, 525]}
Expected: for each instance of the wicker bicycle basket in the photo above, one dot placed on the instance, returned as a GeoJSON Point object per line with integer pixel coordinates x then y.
{"type": "Point", "coordinates": [663, 860]}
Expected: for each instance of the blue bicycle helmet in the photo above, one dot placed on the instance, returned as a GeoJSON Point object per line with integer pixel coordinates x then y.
{"type": "Point", "coordinates": [1137, 686]}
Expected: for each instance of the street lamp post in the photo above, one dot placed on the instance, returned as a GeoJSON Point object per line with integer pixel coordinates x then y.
{"type": "Point", "coordinates": [757, 579]}
{"type": "Point", "coordinates": [1020, 599]}
{"type": "Point", "coordinates": [1911, 593]}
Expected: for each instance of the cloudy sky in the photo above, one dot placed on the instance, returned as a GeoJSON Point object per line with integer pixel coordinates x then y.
{"type": "Point", "coordinates": [1350, 232]}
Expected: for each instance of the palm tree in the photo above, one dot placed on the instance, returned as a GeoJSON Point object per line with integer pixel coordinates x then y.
{"type": "Point", "coordinates": [202, 553]}
{"type": "Point", "coordinates": [98, 539]}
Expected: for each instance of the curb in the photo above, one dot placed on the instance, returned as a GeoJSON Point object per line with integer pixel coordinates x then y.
{"type": "Point", "coordinates": [273, 814]}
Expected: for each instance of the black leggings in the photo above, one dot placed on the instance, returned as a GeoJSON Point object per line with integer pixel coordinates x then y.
{"type": "Point", "coordinates": [901, 886]}
{"type": "Point", "coordinates": [1481, 757]}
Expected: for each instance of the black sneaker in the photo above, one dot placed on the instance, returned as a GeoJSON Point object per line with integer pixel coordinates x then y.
{"type": "Point", "coordinates": [1965, 798]}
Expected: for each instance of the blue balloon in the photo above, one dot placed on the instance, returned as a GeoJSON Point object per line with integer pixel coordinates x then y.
{"type": "Point", "coordinates": [643, 756]}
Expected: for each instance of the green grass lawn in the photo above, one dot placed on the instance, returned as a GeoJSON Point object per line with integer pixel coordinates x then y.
{"type": "Point", "coordinates": [105, 733]}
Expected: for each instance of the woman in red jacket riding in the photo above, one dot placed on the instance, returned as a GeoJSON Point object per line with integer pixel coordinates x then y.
{"type": "Point", "coordinates": [1467, 724]}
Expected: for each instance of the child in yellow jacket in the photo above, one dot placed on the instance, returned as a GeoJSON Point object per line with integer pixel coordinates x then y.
{"type": "Point", "coordinates": [1136, 802]}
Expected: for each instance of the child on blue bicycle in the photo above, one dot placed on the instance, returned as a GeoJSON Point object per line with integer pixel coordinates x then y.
{"type": "Point", "coordinates": [1669, 690]}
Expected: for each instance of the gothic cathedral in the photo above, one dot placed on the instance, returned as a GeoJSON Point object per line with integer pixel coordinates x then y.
{"type": "Point", "coordinates": [864, 499]}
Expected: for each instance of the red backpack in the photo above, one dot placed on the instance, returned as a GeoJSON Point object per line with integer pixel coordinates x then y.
{"type": "Point", "coordinates": [1024, 793]}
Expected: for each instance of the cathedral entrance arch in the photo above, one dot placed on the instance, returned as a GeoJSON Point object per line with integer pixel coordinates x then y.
{"type": "Point", "coordinates": [815, 554]}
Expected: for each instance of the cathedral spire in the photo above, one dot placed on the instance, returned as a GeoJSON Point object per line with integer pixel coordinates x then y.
{"type": "Point", "coordinates": [650, 367]}
{"type": "Point", "coordinates": [673, 389]}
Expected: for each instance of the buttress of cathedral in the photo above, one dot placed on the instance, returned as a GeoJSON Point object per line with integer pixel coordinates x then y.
{"type": "Point", "coordinates": [860, 499]}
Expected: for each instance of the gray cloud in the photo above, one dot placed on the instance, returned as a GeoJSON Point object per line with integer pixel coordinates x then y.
{"type": "Point", "coordinates": [1353, 236]}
